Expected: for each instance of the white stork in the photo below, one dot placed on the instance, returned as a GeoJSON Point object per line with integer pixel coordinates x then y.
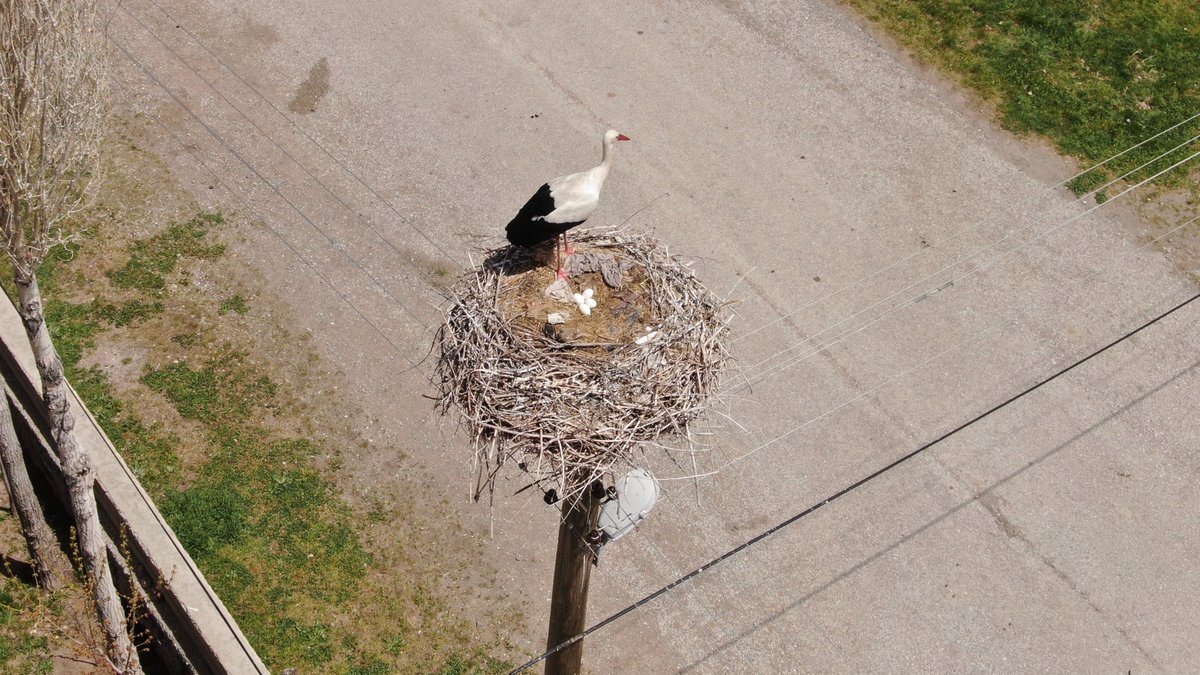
{"type": "Point", "coordinates": [561, 204]}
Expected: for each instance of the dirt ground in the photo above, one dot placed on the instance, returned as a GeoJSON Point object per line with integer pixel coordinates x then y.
{"type": "Point", "coordinates": [424, 564]}
{"type": "Point", "coordinates": [409, 531]}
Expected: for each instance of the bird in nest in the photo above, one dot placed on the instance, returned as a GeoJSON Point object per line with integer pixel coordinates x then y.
{"type": "Point", "coordinates": [562, 204]}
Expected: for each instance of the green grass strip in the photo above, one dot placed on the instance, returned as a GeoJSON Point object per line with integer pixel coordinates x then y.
{"type": "Point", "coordinates": [1094, 78]}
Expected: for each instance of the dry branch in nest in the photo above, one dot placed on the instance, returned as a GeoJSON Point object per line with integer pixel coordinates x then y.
{"type": "Point", "coordinates": [571, 402]}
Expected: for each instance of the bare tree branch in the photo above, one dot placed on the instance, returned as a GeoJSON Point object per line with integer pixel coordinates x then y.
{"type": "Point", "coordinates": [52, 110]}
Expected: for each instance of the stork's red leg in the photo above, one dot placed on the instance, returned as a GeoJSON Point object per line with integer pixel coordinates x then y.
{"type": "Point", "coordinates": [558, 261]}
{"type": "Point", "coordinates": [567, 247]}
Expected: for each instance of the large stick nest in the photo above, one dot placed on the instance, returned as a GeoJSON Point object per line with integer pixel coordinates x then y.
{"type": "Point", "coordinates": [570, 403]}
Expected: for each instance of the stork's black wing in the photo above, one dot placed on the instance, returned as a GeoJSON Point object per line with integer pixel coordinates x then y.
{"type": "Point", "coordinates": [523, 230]}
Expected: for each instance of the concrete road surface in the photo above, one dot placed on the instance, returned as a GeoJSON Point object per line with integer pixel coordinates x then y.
{"type": "Point", "coordinates": [806, 170]}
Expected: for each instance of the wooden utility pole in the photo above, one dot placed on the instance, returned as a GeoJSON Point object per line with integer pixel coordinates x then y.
{"type": "Point", "coordinates": [572, 570]}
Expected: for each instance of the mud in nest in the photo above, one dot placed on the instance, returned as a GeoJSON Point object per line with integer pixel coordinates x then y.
{"type": "Point", "coordinates": [570, 402]}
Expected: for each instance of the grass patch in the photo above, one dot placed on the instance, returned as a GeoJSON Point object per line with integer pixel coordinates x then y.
{"type": "Point", "coordinates": [23, 649]}
{"type": "Point", "coordinates": [74, 325]}
{"type": "Point", "coordinates": [152, 260]}
{"type": "Point", "coordinates": [1094, 78]}
{"type": "Point", "coordinates": [224, 390]}
{"type": "Point", "coordinates": [207, 517]}
{"type": "Point", "coordinates": [147, 448]}
{"type": "Point", "coordinates": [236, 304]}
{"type": "Point", "coordinates": [126, 313]}
{"type": "Point", "coordinates": [265, 526]}
{"type": "Point", "coordinates": [268, 528]}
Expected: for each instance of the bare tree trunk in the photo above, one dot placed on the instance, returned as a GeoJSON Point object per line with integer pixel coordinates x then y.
{"type": "Point", "coordinates": [79, 476]}
{"type": "Point", "coordinates": [48, 557]}
{"type": "Point", "coordinates": [52, 112]}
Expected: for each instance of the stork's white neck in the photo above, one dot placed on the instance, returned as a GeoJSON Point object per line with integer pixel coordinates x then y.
{"type": "Point", "coordinates": [606, 159]}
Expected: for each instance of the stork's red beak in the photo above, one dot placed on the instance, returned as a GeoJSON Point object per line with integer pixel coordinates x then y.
{"type": "Point", "coordinates": [622, 137]}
